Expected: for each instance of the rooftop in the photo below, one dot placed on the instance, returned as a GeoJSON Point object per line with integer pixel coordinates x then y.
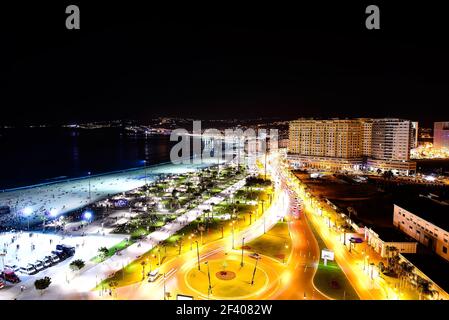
{"type": "Point", "coordinates": [432, 266]}
{"type": "Point", "coordinates": [427, 209]}
{"type": "Point", "coordinates": [391, 235]}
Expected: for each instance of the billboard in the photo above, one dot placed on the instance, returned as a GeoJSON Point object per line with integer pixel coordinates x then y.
{"type": "Point", "coordinates": [327, 254]}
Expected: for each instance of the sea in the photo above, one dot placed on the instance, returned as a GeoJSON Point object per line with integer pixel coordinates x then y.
{"type": "Point", "coordinates": [43, 155]}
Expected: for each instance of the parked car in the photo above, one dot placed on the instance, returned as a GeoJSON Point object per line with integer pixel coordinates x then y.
{"type": "Point", "coordinates": [153, 275]}
{"type": "Point", "coordinates": [69, 250]}
{"type": "Point", "coordinates": [12, 267]}
{"type": "Point", "coordinates": [60, 254]}
{"type": "Point", "coordinates": [39, 265]}
{"type": "Point", "coordinates": [2, 284]}
{"type": "Point", "coordinates": [10, 276]}
{"type": "Point", "coordinates": [29, 269]}
{"type": "Point", "coordinates": [54, 258]}
{"type": "Point", "coordinates": [47, 262]}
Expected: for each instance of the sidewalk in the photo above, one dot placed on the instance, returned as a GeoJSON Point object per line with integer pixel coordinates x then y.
{"type": "Point", "coordinates": [90, 277]}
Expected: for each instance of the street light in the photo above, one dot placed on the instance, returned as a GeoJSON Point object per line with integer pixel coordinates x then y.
{"type": "Point", "coordinates": [286, 248]}
{"type": "Point", "coordinates": [209, 290]}
{"type": "Point", "coordinates": [145, 170]}
{"type": "Point", "coordinates": [254, 271]}
{"type": "Point", "coordinates": [243, 244]}
{"type": "Point", "coordinates": [198, 255]}
{"type": "Point", "coordinates": [27, 212]}
{"type": "Point", "coordinates": [165, 294]}
{"type": "Point", "coordinates": [87, 215]}
{"type": "Point", "coordinates": [89, 186]}
{"type": "Point", "coordinates": [232, 225]}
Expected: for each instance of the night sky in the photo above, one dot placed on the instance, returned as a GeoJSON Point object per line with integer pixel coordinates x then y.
{"type": "Point", "coordinates": [135, 62]}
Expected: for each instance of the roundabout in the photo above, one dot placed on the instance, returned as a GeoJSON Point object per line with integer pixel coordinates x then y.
{"type": "Point", "coordinates": [228, 279]}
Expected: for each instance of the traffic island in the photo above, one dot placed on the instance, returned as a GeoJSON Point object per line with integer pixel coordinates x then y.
{"type": "Point", "coordinates": [228, 279]}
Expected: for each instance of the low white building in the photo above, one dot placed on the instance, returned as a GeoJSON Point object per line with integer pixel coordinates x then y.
{"type": "Point", "coordinates": [383, 240]}
{"type": "Point", "coordinates": [426, 220]}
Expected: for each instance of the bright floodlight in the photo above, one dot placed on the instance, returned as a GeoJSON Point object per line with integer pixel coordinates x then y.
{"type": "Point", "coordinates": [53, 212]}
{"type": "Point", "coordinates": [27, 211]}
{"type": "Point", "coordinates": [87, 215]}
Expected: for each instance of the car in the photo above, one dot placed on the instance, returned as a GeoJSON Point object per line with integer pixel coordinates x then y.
{"type": "Point", "coordinates": [254, 255]}
{"type": "Point", "coordinates": [39, 265]}
{"type": "Point", "coordinates": [12, 267]}
{"type": "Point", "coordinates": [47, 262]}
{"type": "Point", "coordinates": [28, 269]}
{"type": "Point", "coordinates": [69, 250]}
{"type": "Point", "coordinates": [153, 275]}
{"type": "Point", "coordinates": [2, 284]}
{"type": "Point", "coordinates": [60, 254]}
{"type": "Point", "coordinates": [54, 258]}
{"type": "Point", "coordinates": [10, 276]}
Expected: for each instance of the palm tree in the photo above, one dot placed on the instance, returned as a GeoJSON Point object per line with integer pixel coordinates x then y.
{"type": "Point", "coordinates": [424, 287]}
{"type": "Point", "coordinates": [143, 264]}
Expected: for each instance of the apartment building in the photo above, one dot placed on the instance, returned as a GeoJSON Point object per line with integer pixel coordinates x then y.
{"type": "Point", "coordinates": [441, 135]}
{"type": "Point", "coordinates": [347, 144]}
{"type": "Point", "coordinates": [334, 144]}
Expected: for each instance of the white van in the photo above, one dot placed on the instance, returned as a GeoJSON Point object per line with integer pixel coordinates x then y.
{"type": "Point", "coordinates": [153, 275]}
{"type": "Point", "coordinates": [29, 269]}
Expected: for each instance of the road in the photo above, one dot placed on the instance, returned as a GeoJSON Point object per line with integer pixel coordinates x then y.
{"type": "Point", "coordinates": [292, 280]}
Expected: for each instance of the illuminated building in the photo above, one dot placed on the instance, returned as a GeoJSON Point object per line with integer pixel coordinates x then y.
{"type": "Point", "coordinates": [326, 144]}
{"type": "Point", "coordinates": [352, 144]}
{"type": "Point", "coordinates": [441, 135]}
{"type": "Point", "coordinates": [390, 145]}
{"type": "Point", "coordinates": [425, 220]}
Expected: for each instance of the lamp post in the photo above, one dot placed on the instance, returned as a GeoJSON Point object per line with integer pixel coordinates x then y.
{"type": "Point", "coordinates": [243, 244]}
{"type": "Point", "coordinates": [165, 293]}
{"type": "Point", "coordinates": [27, 212]}
{"type": "Point", "coordinates": [198, 255]}
{"type": "Point", "coordinates": [286, 248]}
{"type": "Point", "coordinates": [209, 290]}
{"type": "Point", "coordinates": [264, 231]}
{"type": "Point", "coordinates": [89, 186]}
{"type": "Point", "coordinates": [232, 224]}
{"type": "Point", "coordinates": [145, 171]}
{"type": "Point", "coordinates": [254, 271]}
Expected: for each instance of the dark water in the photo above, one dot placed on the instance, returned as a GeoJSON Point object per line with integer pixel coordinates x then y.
{"type": "Point", "coordinates": [30, 156]}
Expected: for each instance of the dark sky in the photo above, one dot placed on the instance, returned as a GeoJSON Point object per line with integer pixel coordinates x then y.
{"type": "Point", "coordinates": [222, 61]}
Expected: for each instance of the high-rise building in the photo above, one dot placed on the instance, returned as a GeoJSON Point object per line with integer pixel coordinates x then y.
{"type": "Point", "coordinates": [367, 132]}
{"type": "Point", "coordinates": [327, 144]}
{"type": "Point", "coordinates": [390, 145]}
{"type": "Point", "coordinates": [441, 135]}
{"type": "Point", "coordinates": [339, 144]}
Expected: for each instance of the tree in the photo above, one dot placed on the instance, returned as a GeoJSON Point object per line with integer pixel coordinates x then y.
{"type": "Point", "coordinates": [424, 288]}
{"type": "Point", "coordinates": [77, 265]}
{"type": "Point", "coordinates": [42, 284]}
{"type": "Point", "coordinates": [143, 264]}
{"type": "Point", "coordinates": [103, 252]}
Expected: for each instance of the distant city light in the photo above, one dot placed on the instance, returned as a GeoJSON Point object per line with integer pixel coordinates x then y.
{"type": "Point", "coordinates": [53, 212]}
{"type": "Point", "coordinates": [430, 178]}
{"type": "Point", "coordinates": [27, 211]}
